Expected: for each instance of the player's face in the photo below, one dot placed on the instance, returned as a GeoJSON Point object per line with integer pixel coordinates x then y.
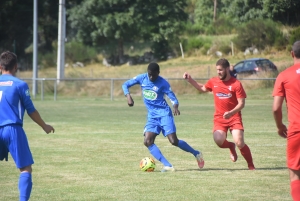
{"type": "Point", "coordinates": [153, 75]}
{"type": "Point", "coordinates": [222, 72]}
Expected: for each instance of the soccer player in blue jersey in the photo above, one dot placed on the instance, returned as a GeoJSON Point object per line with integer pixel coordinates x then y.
{"type": "Point", "coordinates": [160, 117]}
{"type": "Point", "coordinates": [14, 100]}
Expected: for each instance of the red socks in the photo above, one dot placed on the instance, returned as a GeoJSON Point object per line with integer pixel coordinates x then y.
{"type": "Point", "coordinates": [295, 190]}
{"type": "Point", "coordinates": [246, 153]}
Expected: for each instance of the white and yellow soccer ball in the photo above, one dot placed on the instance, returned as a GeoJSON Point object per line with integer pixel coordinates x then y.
{"type": "Point", "coordinates": [147, 164]}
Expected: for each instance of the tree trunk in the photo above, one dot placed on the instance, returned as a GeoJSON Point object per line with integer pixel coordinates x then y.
{"type": "Point", "coordinates": [215, 10]}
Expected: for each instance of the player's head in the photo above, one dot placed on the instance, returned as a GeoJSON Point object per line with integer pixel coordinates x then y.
{"type": "Point", "coordinates": [153, 71]}
{"type": "Point", "coordinates": [8, 62]}
{"type": "Point", "coordinates": [296, 49]}
{"type": "Point", "coordinates": [222, 66]}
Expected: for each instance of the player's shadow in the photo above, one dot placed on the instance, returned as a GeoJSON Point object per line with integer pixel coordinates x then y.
{"type": "Point", "coordinates": [229, 169]}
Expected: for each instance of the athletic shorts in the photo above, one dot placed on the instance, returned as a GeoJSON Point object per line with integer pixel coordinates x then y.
{"type": "Point", "coordinates": [293, 151]}
{"type": "Point", "coordinates": [164, 124]}
{"type": "Point", "coordinates": [14, 139]}
{"type": "Point", "coordinates": [225, 125]}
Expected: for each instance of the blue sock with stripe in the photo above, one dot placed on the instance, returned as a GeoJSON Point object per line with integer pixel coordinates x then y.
{"type": "Point", "coordinates": [25, 186]}
{"type": "Point", "coordinates": [186, 147]}
{"type": "Point", "coordinates": [154, 150]}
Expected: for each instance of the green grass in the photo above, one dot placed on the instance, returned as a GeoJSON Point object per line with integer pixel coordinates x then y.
{"type": "Point", "coordinates": [95, 151]}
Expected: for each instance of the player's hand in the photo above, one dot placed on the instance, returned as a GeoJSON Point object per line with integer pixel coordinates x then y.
{"type": "Point", "coordinates": [282, 131]}
{"type": "Point", "coordinates": [47, 128]}
{"type": "Point", "coordinates": [176, 110]}
{"type": "Point", "coordinates": [227, 115]}
{"type": "Point", "coordinates": [130, 100]}
{"type": "Point", "coordinates": [186, 76]}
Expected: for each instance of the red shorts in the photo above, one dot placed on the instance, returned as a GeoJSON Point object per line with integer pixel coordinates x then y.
{"type": "Point", "coordinates": [293, 151]}
{"type": "Point", "coordinates": [225, 124]}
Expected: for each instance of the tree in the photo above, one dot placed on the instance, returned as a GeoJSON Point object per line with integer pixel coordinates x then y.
{"type": "Point", "coordinates": [99, 21]}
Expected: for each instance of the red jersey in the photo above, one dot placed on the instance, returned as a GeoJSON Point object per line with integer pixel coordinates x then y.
{"type": "Point", "coordinates": [226, 94]}
{"type": "Point", "coordinates": [288, 85]}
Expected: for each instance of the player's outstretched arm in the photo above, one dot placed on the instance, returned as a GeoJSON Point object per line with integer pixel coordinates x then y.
{"type": "Point", "coordinates": [129, 100]}
{"type": "Point", "coordinates": [35, 116]}
{"type": "Point", "coordinates": [200, 87]}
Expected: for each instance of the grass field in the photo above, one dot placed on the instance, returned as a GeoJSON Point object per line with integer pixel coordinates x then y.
{"type": "Point", "coordinates": [95, 152]}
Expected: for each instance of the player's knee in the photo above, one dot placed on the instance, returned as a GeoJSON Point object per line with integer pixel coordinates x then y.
{"type": "Point", "coordinates": [240, 144]}
{"type": "Point", "coordinates": [26, 169]}
{"type": "Point", "coordinates": [174, 142]}
{"type": "Point", "coordinates": [148, 142]}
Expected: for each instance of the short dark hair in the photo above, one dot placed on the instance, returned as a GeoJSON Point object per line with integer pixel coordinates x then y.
{"type": "Point", "coordinates": [8, 60]}
{"type": "Point", "coordinates": [296, 49]}
{"type": "Point", "coordinates": [154, 67]}
{"type": "Point", "coordinates": [223, 62]}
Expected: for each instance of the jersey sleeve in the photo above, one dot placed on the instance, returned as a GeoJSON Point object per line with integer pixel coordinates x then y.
{"type": "Point", "coordinates": [168, 91]}
{"type": "Point", "coordinates": [130, 83]}
{"type": "Point", "coordinates": [278, 87]}
{"type": "Point", "coordinates": [25, 98]}
{"type": "Point", "coordinates": [209, 85]}
{"type": "Point", "coordinates": [240, 92]}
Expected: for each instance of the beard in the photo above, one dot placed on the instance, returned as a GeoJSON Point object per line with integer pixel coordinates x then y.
{"type": "Point", "coordinates": [223, 77]}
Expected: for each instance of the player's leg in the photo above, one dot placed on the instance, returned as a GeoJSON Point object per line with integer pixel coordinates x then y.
{"type": "Point", "coordinates": [295, 183]}
{"type": "Point", "coordinates": [238, 137]}
{"type": "Point", "coordinates": [293, 163]}
{"type": "Point", "coordinates": [25, 183]}
{"type": "Point", "coordinates": [220, 136]}
{"type": "Point", "coordinates": [19, 149]}
{"type": "Point", "coordinates": [152, 129]}
{"type": "Point", "coordinates": [169, 130]}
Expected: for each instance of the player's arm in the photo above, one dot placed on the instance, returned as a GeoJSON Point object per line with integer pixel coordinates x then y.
{"type": "Point", "coordinates": [35, 116]}
{"type": "Point", "coordinates": [126, 86]}
{"type": "Point", "coordinates": [236, 109]}
{"type": "Point", "coordinates": [200, 87]}
{"type": "Point", "coordinates": [277, 114]}
{"type": "Point", "coordinates": [170, 94]}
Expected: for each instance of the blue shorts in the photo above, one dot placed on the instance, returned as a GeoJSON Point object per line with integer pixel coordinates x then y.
{"type": "Point", "coordinates": [13, 139]}
{"type": "Point", "coordinates": [164, 124]}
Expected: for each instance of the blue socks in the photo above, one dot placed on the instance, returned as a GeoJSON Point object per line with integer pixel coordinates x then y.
{"type": "Point", "coordinates": [186, 147]}
{"type": "Point", "coordinates": [25, 186]}
{"type": "Point", "coordinates": [154, 150]}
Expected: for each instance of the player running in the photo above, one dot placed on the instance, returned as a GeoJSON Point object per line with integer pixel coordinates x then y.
{"type": "Point", "coordinates": [229, 98]}
{"type": "Point", "coordinates": [14, 100]}
{"type": "Point", "coordinates": [160, 118]}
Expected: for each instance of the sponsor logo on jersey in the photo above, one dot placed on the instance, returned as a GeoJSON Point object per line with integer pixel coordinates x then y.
{"type": "Point", "coordinates": [298, 71]}
{"type": "Point", "coordinates": [149, 95]}
{"type": "Point", "coordinates": [155, 88]}
{"type": "Point", "coordinates": [6, 83]}
{"type": "Point", "coordinates": [223, 95]}
{"type": "Point", "coordinates": [27, 93]}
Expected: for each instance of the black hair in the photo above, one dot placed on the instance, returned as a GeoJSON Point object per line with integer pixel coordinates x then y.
{"type": "Point", "coordinates": [154, 67]}
{"type": "Point", "coordinates": [296, 49]}
{"type": "Point", "coordinates": [8, 60]}
{"type": "Point", "coordinates": [223, 62]}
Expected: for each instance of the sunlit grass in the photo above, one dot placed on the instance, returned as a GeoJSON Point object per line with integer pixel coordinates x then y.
{"type": "Point", "coordinates": [95, 153]}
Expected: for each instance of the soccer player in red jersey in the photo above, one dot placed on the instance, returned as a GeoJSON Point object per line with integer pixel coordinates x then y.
{"type": "Point", "coordinates": [287, 86]}
{"type": "Point", "coordinates": [229, 98]}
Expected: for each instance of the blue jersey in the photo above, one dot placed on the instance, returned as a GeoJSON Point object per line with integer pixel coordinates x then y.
{"type": "Point", "coordinates": [14, 100]}
{"type": "Point", "coordinates": [153, 94]}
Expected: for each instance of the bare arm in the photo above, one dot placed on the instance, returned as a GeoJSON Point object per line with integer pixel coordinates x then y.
{"type": "Point", "coordinates": [129, 100]}
{"type": "Point", "coordinates": [200, 87]}
{"type": "Point", "coordinates": [277, 114]}
{"type": "Point", "coordinates": [238, 107]}
{"type": "Point", "coordinates": [35, 116]}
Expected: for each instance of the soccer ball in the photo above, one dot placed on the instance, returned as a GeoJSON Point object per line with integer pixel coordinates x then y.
{"type": "Point", "coordinates": [147, 164]}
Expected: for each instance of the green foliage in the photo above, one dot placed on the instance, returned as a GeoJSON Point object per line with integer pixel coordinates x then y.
{"type": "Point", "coordinates": [76, 51]}
{"type": "Point", "coordinates": [295, 36]}
{"type": "Point", "coordinates": [257, 33]}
